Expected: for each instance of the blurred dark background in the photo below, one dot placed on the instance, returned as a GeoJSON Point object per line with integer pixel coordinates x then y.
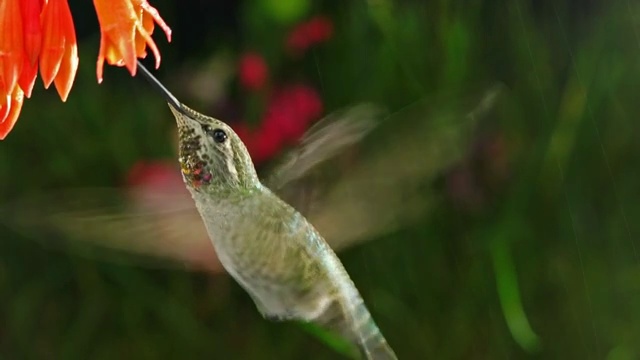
{"type": "Point", "coordinates": [530, 247]}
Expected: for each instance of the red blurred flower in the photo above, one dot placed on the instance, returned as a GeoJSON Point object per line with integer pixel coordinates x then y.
{"type": "Point", "coordinates": [178, 233]}
{"type": "Point", "coordinates": [253, 71]}
{"type": "Point", "coordinates": [292, 108]}
{"type": "Point", "coordinates": [289, 114]}
{"type": "Point", "coordinates": [317, 30]}
{"type": "Point", "coordinates": [156, 174]}
{"type": "Point", "coordinates": [262, 143]}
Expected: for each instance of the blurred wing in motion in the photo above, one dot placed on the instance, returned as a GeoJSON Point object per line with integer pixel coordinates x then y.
{"type": "Point", "coordinates": [324, 140]}
{"type": "Point", "coordinates": [135, 226]}
{"type": "Point", "coordinates": [293, 179]}
{"type": "Point", "coordinates": [381, 190]}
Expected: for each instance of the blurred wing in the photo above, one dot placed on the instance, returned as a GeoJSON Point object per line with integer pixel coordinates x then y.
{"type": "Point", "coordinates": [382, 190]}
{"type": "Point", "coordinates": [293, 179]}
{"type": "Point", "coordinates": [324, 140]}
{"type": "Point", "coordinates": [136, 226]}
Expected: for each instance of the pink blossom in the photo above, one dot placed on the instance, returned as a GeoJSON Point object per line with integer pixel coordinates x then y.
{"type": "Point", "coordinates": [314, 31]}
{"type": "Point", "coordinates": [253, 71]}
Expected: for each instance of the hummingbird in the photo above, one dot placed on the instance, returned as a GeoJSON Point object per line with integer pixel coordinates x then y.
{"type": "Point", "coordinates": [264, 243]}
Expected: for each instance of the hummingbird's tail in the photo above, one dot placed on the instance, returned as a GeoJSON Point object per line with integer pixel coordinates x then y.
{"type": "Point", "coordinates": [377, 349]}
{"type": "Point", "coordinates": [366, 333]}
{"type": "Point", "coordinates": [353, 320]}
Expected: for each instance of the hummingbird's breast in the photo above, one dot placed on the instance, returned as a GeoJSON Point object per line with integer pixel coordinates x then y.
{"type": "Point", "coordinates": [262, 239]}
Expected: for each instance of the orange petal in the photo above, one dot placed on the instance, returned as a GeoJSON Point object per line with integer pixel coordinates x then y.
{"type": "Point", "coordinates": [53, 41]}
{"type": "Point", "coordinates": [11, 43]}
{"type": "Point", "coordinates": [15, 105]}
{"type": "Point", "coordinates": [31, 28]}
{"type": "Point", "coordinates": [69, 65]}
{"type": "Point", "coordinates": [155, 15]}
{"type": "Point", "coordinates": [148, 25]}
{"type": "Point", "coordinates": [67, 73]}
{"type": "Point", "coordinates": [101, 56]}
{"type": "Point", "coordinates": [146, 37]}
{"type": "Point", "coordinates": [116, 56]}
{"type": "Point", "coordinates": [145, 30]}
{"type": "Point", "coordinates": [4, 91]}
{"type": "Point", "coordinates": [28, 77]}
{"type": "Point", "coordinates": [5, 106]}
{"type": "Point", "coordinates": [117, 20]}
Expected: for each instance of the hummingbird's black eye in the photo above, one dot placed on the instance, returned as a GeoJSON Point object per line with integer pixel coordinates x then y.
{"type": "Point", "coordinates": [218, 135]}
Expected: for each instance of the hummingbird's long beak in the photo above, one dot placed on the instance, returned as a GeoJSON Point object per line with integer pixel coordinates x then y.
{"type": "Point", "coordinates": [172, 100]}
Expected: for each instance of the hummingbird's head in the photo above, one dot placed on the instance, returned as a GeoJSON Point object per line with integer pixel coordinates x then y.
{"type": "Point", "coordinates": [212, 157]}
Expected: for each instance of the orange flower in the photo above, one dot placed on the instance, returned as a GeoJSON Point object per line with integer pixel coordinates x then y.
{"type": "Point", "coordinates": [40, 34]}
{"type": "Point", "coordinates": [32, 31]}
{"type": "Point", "coordinates": [126, 28]}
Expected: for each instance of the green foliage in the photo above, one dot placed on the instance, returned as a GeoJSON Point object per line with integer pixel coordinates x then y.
{"type": "Point", "coordinates": [534, 256]}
